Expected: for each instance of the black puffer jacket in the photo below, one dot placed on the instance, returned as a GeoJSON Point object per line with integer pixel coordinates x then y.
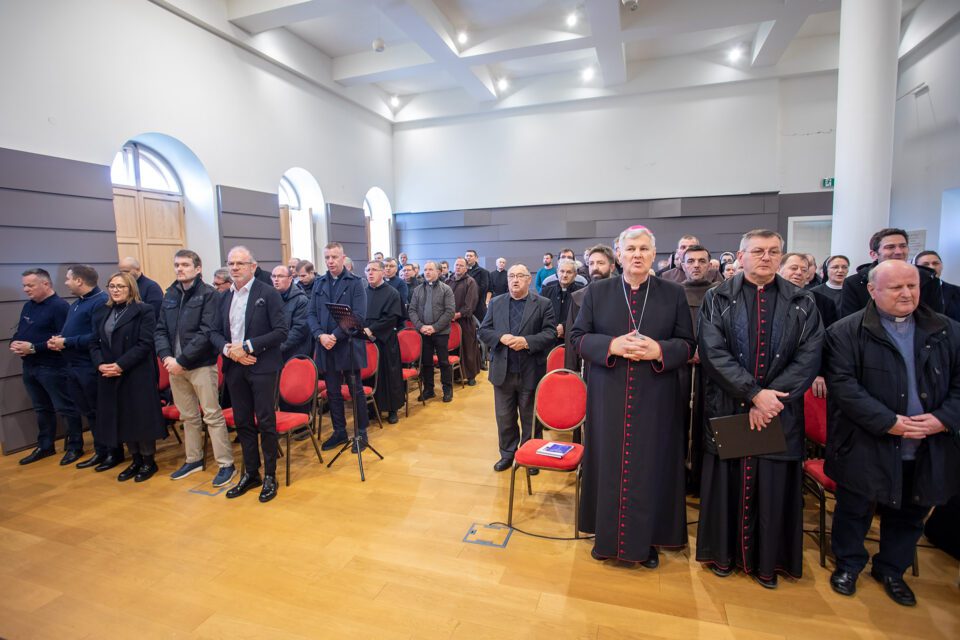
{"type": "Point", "coordinates": [854, 295]}
{"type": "Point", "coordinates": [192, 314]}
{"type": "Point", "coordinates": [867, 383]}
{"type": "Point", "coordinates": [723, 339]}
{"type": "Point", "coordinates": [296, 305]}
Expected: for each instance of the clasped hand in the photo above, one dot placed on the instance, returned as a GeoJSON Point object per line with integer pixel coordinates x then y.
{"type": "Point", "coordinates": [112, 370]}
{"type": "Point", "coordinates": [328, 341]}
{"type": "Point", "coordinates": [236, 353]}
{"type": "Point", "coordinates": [517, 343]}
{"type": "Point", "coordinates": [766, 406]}
{"type": "Point", "coordinates": [916, 427]}
{"type": "Point", "coordinates": [635, 347]}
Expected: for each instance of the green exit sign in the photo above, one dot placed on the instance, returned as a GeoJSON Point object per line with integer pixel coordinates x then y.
{"type": "Point", "coordinates": [827, 183]}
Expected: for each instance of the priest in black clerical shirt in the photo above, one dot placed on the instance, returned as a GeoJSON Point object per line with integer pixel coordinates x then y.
{"type": "Point", "coordinates": [384, 311]}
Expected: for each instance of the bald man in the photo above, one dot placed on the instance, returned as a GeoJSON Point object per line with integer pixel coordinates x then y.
{"type": "Point", "coordinates": [893, 371]}
{"type": "Point", "coordinates": [150, 291]}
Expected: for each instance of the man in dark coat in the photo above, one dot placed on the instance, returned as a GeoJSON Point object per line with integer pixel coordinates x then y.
{"type": "Point", "coordinates": [465, 296]}
{"type": "Point", "coordinates": [559, 293]}
{"type": "Point", "coordinates": [600, 262]}
{"type": "Point", "coordinates": [482, 278]}
{"type": "Point", "coordinates": [759, 344]}
{"type": "Point", "coordinates": [887, 244]}
{"type": "Point", "coordinates": [950, 292]}
{"type": "Point", "coordinates": [338, 352]}
{"type": "Point", "coordinates": [384, 311]}
{"type": "Point", "coordinates": [519, 330]}
{"type": "Point", "coordinates": [182, 339]}
{"type": "Point", "coordinates": [795, 268]}
{"type": "Point", "coordinates": [894, 419]}
{"type": "Point", "coordinates": [299, 341]}
{"type": "Point", "coordinates": [249, 333]}
{"type": "Point", "coordinates": [431, 311]}
{"type": "Point", "coordinates": [675, 271]}
{"type": "Point", "coordinates": [391, 277]}
{"type": "Point", "coordinates": [306, 277]}
{"type": "Point", "coordinates": [150, 291]}
{"type": "Point", "coordinates": [498, 280]}
{"type": "Point", "coordinates": [634, 333]}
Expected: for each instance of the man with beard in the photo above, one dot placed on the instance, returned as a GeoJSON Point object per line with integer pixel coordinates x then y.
{"type": "Point", "coordinates": [545, 271]}
{"type": "Point", "coordinates": [559, 291]}
{"type": "Point", "coordinates": [465, 296]}
{"type": "Point", "coordinates": [391, 278]}
{"type": "Point", "coordinates": [306, 276]}
{"type": "Point", "coordinates": [384, 312]}
{"type": "Point", "coordinates": [565, 254]}
{"type": "Point", "coordinates": [600, 262]}
{"type": "Point", "coordinates": [634, 333]}
{"type": "Point", "coordinates": [675, 270]}
{"type": "Point", "coordinates": [887, 244]}
{"type": "Point", "coordinates": [759, 345]}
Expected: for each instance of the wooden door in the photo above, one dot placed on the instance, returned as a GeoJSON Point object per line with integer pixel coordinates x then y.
{"type": "Point", "coordinates": [284, 234]}
{"type": "Point", "coordinates": [150, 228]}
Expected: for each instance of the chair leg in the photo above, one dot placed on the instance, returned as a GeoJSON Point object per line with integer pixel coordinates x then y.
{"type": "Point", "coordinates": [176, 434]}
{"type": "Point", "coordinates": [576, 506]}
{"type": "Point", "coordinates": [916, 563]}
{"type": "Point", "coordinates": [529, 486]}
{"type": "Point", "coordinates": [823, 528]}
{"type": "Point", "coordinates": [203, 447]}
{"type": "Point", "coordinates": [463, 383]}
{"type": "Point", "coordinates": [513, 481]}
{"type": "Point", "coordinates": [376, 409]}
{"type": "Point", "coordinates": [316, 447]}
{"type": "Point", "coordinates": [406, 398]}
{"type": "Point", "coordinates": [288, 458]}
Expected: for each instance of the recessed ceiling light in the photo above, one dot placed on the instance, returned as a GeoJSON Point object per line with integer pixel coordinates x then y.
{"type": "Point", "coordinates": [394, 101]}
{"type": "Point", "coordinates": [462, 37]}
{"type": "Point", "coordinates": [572, 19]}
{"type": "Point", "coordinates": [588, 74]}
{"type": "Point", "coordinates": [735, 53]}
{"type": "Point", "coordinates": [503, 84]}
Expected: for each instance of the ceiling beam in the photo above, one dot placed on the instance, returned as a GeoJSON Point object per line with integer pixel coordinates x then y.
{"type": "Point", "coordinates": [605, 31]}
{"type": "Point", "coordinates": [429, 29]}
{"type": "Point", "coordinates": [395, 63]}
{"type": "Point", "coordinates": [774, 36]}
{"type": "Point", "coordinates": [257, 16]}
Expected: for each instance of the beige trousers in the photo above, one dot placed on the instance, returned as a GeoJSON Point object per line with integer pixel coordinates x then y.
{"type": "Point", "coordinates": [195, 394]}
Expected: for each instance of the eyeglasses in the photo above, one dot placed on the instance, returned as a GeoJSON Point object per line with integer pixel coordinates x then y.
{"type": "Point", "coordinates": [117, 287]}
{"type": "Point", "coordinates": [279, 277]}
{"type": "Point", "coordinates": [517, 276]}
{"type": "Point", "coordinates": [759, 253]}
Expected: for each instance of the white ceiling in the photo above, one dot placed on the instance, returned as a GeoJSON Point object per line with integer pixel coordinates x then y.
{"type": "Point", "coordinates": [662, 44]}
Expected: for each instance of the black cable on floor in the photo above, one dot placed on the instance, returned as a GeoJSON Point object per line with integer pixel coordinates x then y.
{"type": "Point", "coordinates": [537, 535]}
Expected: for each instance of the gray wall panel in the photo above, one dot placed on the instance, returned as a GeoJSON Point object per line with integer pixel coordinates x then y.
{"type": "Point", "coordinates": [46, 174]}
{"type": "Point", "coordinates": [724, 205]}
{"type": "Point", "coordinates": [343, 214]}
{"type": "Point", "coordinates": [267, 252]}
{"type": "Point", "coordinates": [348, 226]}
{"type": "Point", "coordinates": [358, 253]}
{"type": "Point", "coordinates": [54, 211]}
{"type": "Point", "coordinates": [10, 363]}
{"type": "Point", "coordinates": [27, 245]}
{"type": "Point", "coordinates": [252, 219]}
{"type": "Point", "coordinates": [344, 233]}
{"type": "Point", "coordinates": [246, 226]}
{"type": "Point", "coordinates": [467, 235]}
{"type": "Point", "coordinates": [259, 203]}
{"type": "Point", "coordinates": [13, 396]}
{"type": "Point", "coordinates": [10, 279]}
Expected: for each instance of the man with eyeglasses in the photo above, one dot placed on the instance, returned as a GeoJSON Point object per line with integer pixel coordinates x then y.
{"type": "Point", "coordinates": [518, 330]}
{"type": "Point", "coordinates": [222, 280]}
{"type": "Point", "coordinates": [299, 342]}
{"type": "Point", "coordinates": [759, 340]}
{"type": "Point", "coordinates": [249, 333]}
{"type": "Point", "coordinates": [384, 312]}
{"type": "Point", "coordinates": [182, 339]}
{"type": "Point", "coordinates": [888, 244]}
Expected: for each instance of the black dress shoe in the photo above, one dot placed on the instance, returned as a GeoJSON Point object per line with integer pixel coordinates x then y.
{"type": "Point", "coordinates": [247, 481]}
{"type": "Point", "coordinates": [448, 397]}
{"type": "Point", "coordinates": [269, 490]}
{"type": "Point", "coordinates": [393, 418]}
{"type": "Point", "coordinates": [503, 464]}
{"type": "Point", "coordinates": [653, 561]}
{"type": "Point", "coordinates": [472, 382]}
{"type": "Point", "coordinates": [130, 471]}
{"type": "Point", "coordinates": [91, 462]}
{"type": "Point", "coordinates": [426, 395]}
{"type": "Point", "coordinates": [108, 463]}
{"type": "Point", "coordinates": [896, 588]}
{"type": "Point", "coordinates": [843, 582]}
{"type": "Point", "coordinates": [720, 572]}
{"type": "Point", "coordinates": [334, 441]}
{"type": "Point", "coordinates": [70, 457]}
{"type": "Point", "coordinates": [766, 583]}
{"type": "Point", "coordinates": [147, 469]}
{"type": "Point", "coordinates": [37, 454]}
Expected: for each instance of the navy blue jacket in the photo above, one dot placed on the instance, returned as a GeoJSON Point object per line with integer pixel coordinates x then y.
{"type": "Point", "coordinates": [296, 305]}
{"type": "Point", "coordinates": [151, 293]}
{"type": "Point", "coordinates": [78, 331]}
{"type": "Point", "coordinates": [39, 321]}
{"type": "Point", "coordinates": [349, 290]}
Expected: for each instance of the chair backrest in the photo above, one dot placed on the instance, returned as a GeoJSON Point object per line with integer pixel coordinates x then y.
{"type": "Point", "coordinates": [815, 418]}
{"type": "Point", "coordinates": [298, 381]}
{"type": "Point", "coordinates": [220, 372]}
{"type": "Point", "coordinates": [453, 341]}
{"type": "Point", "coordinates": [373, 360]}
{"type": "Point", "coordinates": [555, 358]}
{"type": "Point", "coordinates": [561, 400]}
{"type": "Point", "coordinates": [411, 344]}
{"type": "Point", "coordinates": [408, 324]}
{"type": "Point", "coordinates": [163, 376]}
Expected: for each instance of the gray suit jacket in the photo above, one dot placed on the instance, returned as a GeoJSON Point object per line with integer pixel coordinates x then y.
{"type": "Point", "coordinates": [538, 326]}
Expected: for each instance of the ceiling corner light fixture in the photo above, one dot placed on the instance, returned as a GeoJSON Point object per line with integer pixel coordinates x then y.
{"type": "Point", "coordinates": [588, 74]}
{"type": "Point", "coordinates": [462, 37]}
{"type": "Point", "coordinates": [503, 84]}
{"type": "Point", "coordinates": [394, 101]}
{"type": "Point", "coordinates": [735, 54]}
{"type": "Point", "coordinates": [572, 19]}
{"type": "Point", "coordinates": [378, 45]}
{"type": "Point", "coordinates": [633, 5]}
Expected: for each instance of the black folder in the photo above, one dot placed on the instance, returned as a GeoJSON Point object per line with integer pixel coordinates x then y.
{"type": "Point", "coordinates": [735, 438]}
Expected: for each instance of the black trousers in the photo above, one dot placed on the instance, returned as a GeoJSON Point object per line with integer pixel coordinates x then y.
{"type": "Point", "coordinates": [511, 400]}
{"type": "Point", "coordinates": [253, 396]}
{"type": "Point", "coordinates": [81, 383]}
{"type": "Point", "coordinates": [900, 529]}
{"type": "Point", "coordinates": [436, 344]}
{"type": "Point", "coordinates": [143, 448]}
{"type": "Point", "coordinates": [335, 380]}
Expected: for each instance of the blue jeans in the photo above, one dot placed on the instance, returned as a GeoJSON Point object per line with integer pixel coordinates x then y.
{"type": "Point", "coordinates": [47, 389]}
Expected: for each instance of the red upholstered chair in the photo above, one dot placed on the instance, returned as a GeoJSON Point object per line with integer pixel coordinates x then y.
{"type": "Point", "coordinates": [368, 372]}
{"type": "Point", "coordinates": [453, 344]}
{"type": "Point", "coordinates": [560, 404]}
{"type": "Point", "coordinates": [411, 350]}
{"type": "Point", "coordinates": [169, 410]}
{"type": "Point", "coordinates": [815, 480]}
{"type": "Point", "coordinates": [298, 385]}
{"type": "Point", "coordinates": [555, 358]}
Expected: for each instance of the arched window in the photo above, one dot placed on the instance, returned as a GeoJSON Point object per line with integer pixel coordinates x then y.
{"type": "Point", "coordinates": [288, 194]}
{"type": "Point", "coordinates": [376, 206]}
{"type": "Point", "coordinates": [140, 167]}
{"type": "Point", "coordinates": [300, 197]}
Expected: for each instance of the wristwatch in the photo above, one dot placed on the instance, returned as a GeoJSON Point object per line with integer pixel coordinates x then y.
{"type": "Point", "coordinates": [33, 350]}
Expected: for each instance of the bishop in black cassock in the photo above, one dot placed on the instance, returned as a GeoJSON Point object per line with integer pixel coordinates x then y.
{"type": "Point", "coordinates": [633, 472]}
{"type": "Point", "coordinates": [384, 312]}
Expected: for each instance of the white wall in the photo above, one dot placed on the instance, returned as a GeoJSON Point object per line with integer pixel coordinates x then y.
{"type": "Point", "coordinates": [736, 138]}
{"type": "Point", "coordinates": [81, 78]}
{"type": "Point", "coordinates": [926, 152]}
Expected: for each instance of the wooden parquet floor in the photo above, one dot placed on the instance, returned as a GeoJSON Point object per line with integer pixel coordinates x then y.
{"type": "Point", "coordinates": [84, 556]}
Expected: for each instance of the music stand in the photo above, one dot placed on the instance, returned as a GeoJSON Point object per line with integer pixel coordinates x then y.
{"type": "Point", "coordinates": [352, 325]}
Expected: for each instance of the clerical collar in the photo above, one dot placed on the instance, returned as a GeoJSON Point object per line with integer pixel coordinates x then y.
{"type": "Point", "coordinates": [891, 318]}
{"type": "Point", "coordinates": [766, 287]}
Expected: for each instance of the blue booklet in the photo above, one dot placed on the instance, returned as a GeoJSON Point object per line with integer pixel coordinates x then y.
{"type": "Point", "coordinates": [555, 449]}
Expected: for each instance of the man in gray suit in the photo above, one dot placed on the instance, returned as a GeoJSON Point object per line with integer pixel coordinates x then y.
{"type": "Point", "coordinates": [518, 329]}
